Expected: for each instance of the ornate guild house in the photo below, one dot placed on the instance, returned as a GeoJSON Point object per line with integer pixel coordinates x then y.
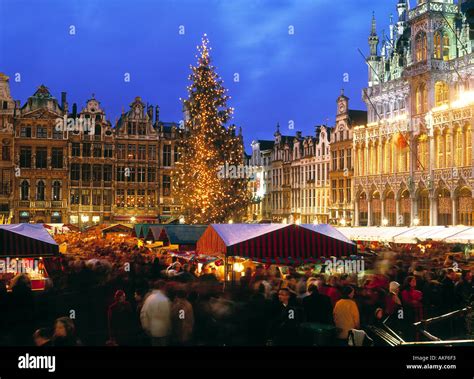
{"type": "Point", "coordinates": [61, 165]}
{"type": "Point", "coordinates": [413, 160]}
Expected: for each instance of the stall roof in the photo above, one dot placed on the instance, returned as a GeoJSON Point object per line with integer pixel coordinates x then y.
{"type": "Point", "coordinates": [184, 234]}
{"type": "Point", "coordinates": [327, 230]}
{"type": "Point", "coordinates": [26, 240]}
{"type": "Point", "coordinates": [465, 236]}
{"type": "Point", "coordinates": [411, 235]}
{"type": "Point", "coordinates": [152, 232]}
{"type": "Point", "coordinates": [117, 228]}
{"type": "Point", "coordinates": [176, 234]}
{"type": "Point", "coordinates": [274, 243]}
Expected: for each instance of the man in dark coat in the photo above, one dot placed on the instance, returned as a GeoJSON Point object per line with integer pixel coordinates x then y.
{"type": "Point", "coordinates": [317, 307]}
{"type": "Point", "coordinates": [285, 321]}
{"type": "Point", "coordinates": [120, 318]}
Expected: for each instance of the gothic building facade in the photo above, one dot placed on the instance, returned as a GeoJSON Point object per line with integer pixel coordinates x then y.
{"type": "Point", "coordinates": [413, 159]}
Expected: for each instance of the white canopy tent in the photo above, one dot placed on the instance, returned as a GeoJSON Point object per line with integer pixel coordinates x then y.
{"type": "Point", "coordinates": [416, 234]}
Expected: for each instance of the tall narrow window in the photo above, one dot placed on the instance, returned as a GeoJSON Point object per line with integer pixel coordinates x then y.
{"type": "Point", "coordinates": [438, 49]}
{"type": "Point", "coordinates": [441, 93]}
{"type": "Point", "coordinates": [25, 190]}
{"type": "Point", "coordinates": [446, 47]}
{"type": "Point", "coordinates": [56, 190]}
{"type": "Point", "coordinates": [40, 193]}
{"type": "Point", "coordinates": [458, 147]}
{"type": "Point", "coordinates": [421, 47]}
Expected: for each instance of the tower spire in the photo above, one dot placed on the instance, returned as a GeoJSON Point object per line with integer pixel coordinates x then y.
{"type": "Point", "coordinates": [373, 38]}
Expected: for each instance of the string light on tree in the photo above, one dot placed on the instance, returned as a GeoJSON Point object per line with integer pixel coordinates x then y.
{"type": "Point", "coordinates": [206, 145]}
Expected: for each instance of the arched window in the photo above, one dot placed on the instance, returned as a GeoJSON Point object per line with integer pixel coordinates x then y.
{"type": "Point", "coordinates": [438, 47]}
{"type": "Point", "coordinates": [57, 190]}
{"type": "Point", "coordinates": [421, 47]}
{"type": "Point", "coordinates": [25, 190]}
{"type": "Point", "coordinates": [441, 93]}
{"type": "Point", "coordinates": [40, 191]}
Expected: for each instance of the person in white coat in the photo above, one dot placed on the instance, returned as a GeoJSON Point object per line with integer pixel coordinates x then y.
{"type": "Point", "coordinates": [155, 315]}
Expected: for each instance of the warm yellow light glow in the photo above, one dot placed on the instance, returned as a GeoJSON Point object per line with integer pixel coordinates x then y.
{"type": "Point", "coordinates": [133, 219]}
{"type": "Point", "coordinates": [238, 267]}
{"type": "Point", "coordinates": [416, 221]}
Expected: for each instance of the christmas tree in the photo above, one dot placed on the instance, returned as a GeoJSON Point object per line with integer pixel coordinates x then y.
{"type": "Point", "coordinates": [206, 146]}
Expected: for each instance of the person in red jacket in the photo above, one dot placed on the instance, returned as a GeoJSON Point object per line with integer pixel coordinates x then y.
{"type": "Point", "coordinates": [412, 298]}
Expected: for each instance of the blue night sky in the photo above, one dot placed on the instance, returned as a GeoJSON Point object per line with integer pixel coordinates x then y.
{"type": "Point", "coordinates": [282, 77]}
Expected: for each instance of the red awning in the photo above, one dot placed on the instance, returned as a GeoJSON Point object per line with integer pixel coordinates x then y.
{"type": "Point", "coordinates": [274, 243]}
{"type": "Point", "coordinates": [26, 241]}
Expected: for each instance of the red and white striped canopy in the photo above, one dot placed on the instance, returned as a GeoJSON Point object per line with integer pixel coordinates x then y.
{"type": "Point", "coordinates": [26, 241]}
{"type": "Point", "coordinates": [275, 243]}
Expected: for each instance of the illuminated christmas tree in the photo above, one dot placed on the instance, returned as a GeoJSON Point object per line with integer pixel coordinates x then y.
{"type": "Point", "coordinates": [206, 146]}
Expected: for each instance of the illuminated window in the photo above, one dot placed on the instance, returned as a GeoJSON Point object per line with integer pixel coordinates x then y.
{"type": "Point", "coordinates": [438, 49]}
{"type": "Point", "coordinates": [441, 93]}
{"type": "Point", "coordinates": [423, 152]}
{"type": "Point", "coordinates": [446, 47]}
{"type": "Point", "coordinates": [449, 148]}
{"type": "Point", "coordinates": [440, 150]}
{"type": "Point", "coordinates": [421, 47]}
{"type": "Point", "coordinates": [468, 144]}
{"type": "Point", "coordinates": [458, 147]}
{"type": "Point", "coordinates": [421, 99]}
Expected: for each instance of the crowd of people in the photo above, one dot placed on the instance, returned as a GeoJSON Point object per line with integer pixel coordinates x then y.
{"type": "Point", "coordinates": [119, 294]}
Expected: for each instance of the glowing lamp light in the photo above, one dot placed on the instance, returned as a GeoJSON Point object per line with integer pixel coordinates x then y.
{"type": "Point", "coordinates": [231, 221]}
{"type": "Point", "coordinates": [181, 220]}
{"type": "Point", "coordinates": [133, 219]}
{"type": "Point", "coordinates": [298, 222]}
{"type": "Point", "coordinates": [285, 221]}
{"type": "Point", "coordinates": [85, 218]}
{"type": "Point", "coordinates": [315, 222]}
{"type": "Point", "coordinates": [343, 222]}
{"type": "Point", "coordinates": [384, 222]}
{"type": "Point", "coordinates": [416, 221]}
{"type": "Point", "coordinates": [238, 267]}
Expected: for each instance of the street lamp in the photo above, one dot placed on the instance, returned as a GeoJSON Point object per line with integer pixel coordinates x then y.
{"type": "Point", "coordinates": [133, 219]}
{"type": "Point", "coordinates": [416, 221]}
{"type": "Point", "coordinates": [343, 222]}
{"type": "Point", "coordinates": [384, 222]}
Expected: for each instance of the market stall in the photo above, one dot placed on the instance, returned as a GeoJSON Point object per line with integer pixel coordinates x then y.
{"type": "Point", "coordinates": [410, 235]}
{"type": "Point", "coordinates": [24, 248]}
{"type": "Point", "coordinates": [117, 230]}
{"type": "Point", "coordinates": [176, 237]}
{"type": "Point", "coordinates": [275, 243]}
